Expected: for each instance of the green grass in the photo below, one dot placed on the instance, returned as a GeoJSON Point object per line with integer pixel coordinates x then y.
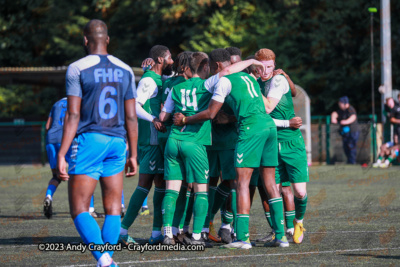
{"type": "Point", "coordinates": [352, 218]}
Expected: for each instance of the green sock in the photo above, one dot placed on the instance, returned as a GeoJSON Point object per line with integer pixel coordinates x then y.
{"type": "Point", "coordinates": [200, 211]}
{"type": "Point", "coordinates": [300, 207]}
{"type": "Point", "coordinates": [180, 207]}
{"type": "Point", "coordinates": [269, 220]}
{"type": "Point", "coordinates": [234, 210]}
{"type": "Point", "coordinates": [168, 206]}
{"type": "Point", "coordinates": [276, 210]}
{"type": "Point", "coordinates": [211, 195]}
{"type": "Point", "coordinates": [243, 227]}
{"type": "Point", "coordinates": [219, 199]}
{"type": "Point", "coordinates": [189, 209]}
{"type": "Point", "coordinates": [289, 217]}
{"type": "Point", "coordinates": [380, 158]}
{"type": "Point", "coordinates": [157, 202]}
{"type": "Point", "coordinates": [390, 159]}
{"type": "Point", "coordinates": [135, 203]}
{"type": "Point", "coordinates": [226, 216]}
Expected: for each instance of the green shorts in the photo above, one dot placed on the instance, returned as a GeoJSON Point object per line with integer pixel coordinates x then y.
{"type": "Point", "coordinates": [292, 158]}
{"type": "Point", "coordinates": [254, 177]}
{"type": "Point", "coordinates": [151, 160]}
{"type": "Point", "coordinates": [186, 160]}
{"type": "Point", "coordinates": [257, 150]}
{"type": "Point", "coordinates": [222, 161]}
{"type": "Point", "coordinates": [163, 138]}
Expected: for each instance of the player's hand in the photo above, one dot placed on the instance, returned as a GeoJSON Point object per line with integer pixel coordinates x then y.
{"type": "Point", "coordinates": [148, 62]}
{"type": "Point", "coordinates": [296, 122]}
{"type": "Point", "coordinates": [131, 167]}
{"type": "Point", "coordinates": [259, 66]}
{"type": "Point", "coordinates": [178, 119]}
{"type": "Point", "coordinates": [159, 125]}
{"type": "Point", "coordinates": [279, 71]}
{"type": "Point", "coordinates": [62, 168]}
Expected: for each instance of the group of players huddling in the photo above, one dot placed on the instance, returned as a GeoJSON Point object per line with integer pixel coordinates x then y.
{"type": "Point", "coordinates": [193, 130]}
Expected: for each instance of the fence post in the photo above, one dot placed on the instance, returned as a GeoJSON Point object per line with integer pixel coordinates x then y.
{"type": "Point", "coordinates": [320, 139]}
{"type": "Point", "coordinates": [327, 138]}
{"type": "Point", "coordinates": [373, 138]}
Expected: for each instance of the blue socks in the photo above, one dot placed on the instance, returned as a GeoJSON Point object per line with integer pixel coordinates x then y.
{"type": "Point", "coordinates": [50, 190]}
{"type": "Point", "coordinates": [89, 231]}
{"type": "Point", "coordinates": [110, 231]}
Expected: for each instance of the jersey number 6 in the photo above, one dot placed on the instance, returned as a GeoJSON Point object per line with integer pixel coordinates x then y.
{"type": "Point", "coordinates": [103, 101]}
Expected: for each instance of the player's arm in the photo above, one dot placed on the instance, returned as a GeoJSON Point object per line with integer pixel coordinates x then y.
{"type": "Point", "coordinates": [334, 117]}
{"type": "Point", "coordinates": [394, 120]}
{"type": "Point", "coordinates": [145, 90]}
{"type": "Point", "coordinates": [224, 118]}
{"type": "Point", "coordinates": [168, 107]}
{"type": "Point", "coordinates": [351, 119]}
{"type": "Point", "coordinates": [132, 136]}
{"type": "Point", "coordinates": [48, 123]}
{"type": "Point", "coordinates": [295, 123]}
{"type": "Point", "coordinates": [148, 63]}
{"type": "Point", "coordinates": [223, 88]}
{"type": "Point", "coordinates": [71, 122]}
{"type": "Point", "coordinates": [241, 65]}
{"type": "Point", "coordinates": [279, 87]}
{"type": "Point", "coordinates": [293, 90]}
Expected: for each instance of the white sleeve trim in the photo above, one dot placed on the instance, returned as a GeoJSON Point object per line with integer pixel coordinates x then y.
{"type": "Point", "coordinates": [146, 89]}
{"type": "Point", "coordinates": [281, 123]}
{"type": "Point", "coordinates": [142, 114]}
{"type": "Point", "coordinates": [279, 87]}
{"type": "Point", "coordinates": [169, 104]}
{"type": "Point", "coordinates": [211, 82]}
{"type": "Point", "coordinates": [222, 90]}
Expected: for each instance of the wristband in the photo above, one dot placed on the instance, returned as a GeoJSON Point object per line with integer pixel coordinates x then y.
{"type": "Point", "coordinates": [183, 120]}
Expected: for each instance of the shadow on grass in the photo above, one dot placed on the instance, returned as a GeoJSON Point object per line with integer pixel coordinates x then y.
{"type": "Point", "coordinates": [24, 240]}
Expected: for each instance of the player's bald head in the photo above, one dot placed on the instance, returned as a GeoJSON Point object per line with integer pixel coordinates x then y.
{"type": "Point", "coordinates": [95, 31]}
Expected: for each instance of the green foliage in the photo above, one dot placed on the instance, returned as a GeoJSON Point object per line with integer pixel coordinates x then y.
{"type": "Point", "coordinates": [323, 45]}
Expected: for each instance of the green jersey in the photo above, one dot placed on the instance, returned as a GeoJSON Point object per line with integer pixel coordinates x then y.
{"type": "Point", "coordinates": [166, 88]}
{"type": "Point", "coordinates": [278, 87]}
{"type": "Point", "coordinates": [149, 96]}
{"type": "Point", "coordinates": [242, 93]}
{"type": "Point", "coordinates": [190, 98]}
{"type": "Point", "coordinates": [224, 136]}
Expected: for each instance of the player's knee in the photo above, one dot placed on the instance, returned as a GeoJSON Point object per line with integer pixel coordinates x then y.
{"type": "Point", "coordinates": [300, 194]}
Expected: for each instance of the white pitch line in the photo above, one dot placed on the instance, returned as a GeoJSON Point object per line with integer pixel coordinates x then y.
{"type": "Point", "coordinates": [246, 256]}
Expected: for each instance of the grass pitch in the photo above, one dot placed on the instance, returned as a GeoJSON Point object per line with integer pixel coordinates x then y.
{"type": "Point", "coordinates": [352, 218]}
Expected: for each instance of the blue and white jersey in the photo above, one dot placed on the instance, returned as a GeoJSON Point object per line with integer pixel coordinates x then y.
{"type": "Point", "coordinates": [103, 82]}
{"type": "Point", "coordinates": [57, 114]}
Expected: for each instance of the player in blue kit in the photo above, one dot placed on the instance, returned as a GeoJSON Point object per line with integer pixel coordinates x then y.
{"type": "Point", "coordinates": [54, 127]}
{"type": "Point", "coordinates": [100, 115]}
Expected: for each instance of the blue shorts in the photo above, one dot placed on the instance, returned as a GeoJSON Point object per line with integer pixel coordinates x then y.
{"type": "Point", "coordinates": [97, 155]}
{"type": "Point", "coordinates": [52, 152]}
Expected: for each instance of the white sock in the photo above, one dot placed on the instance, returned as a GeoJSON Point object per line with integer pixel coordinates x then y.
{"type": "Point", "coordinates": [290, 230]}
{"type": "Point", "coordinates": [105, 260]}
{"type": "Point", "coordinates": [299, 221]}
{"type": "Point", "coordinates": [91, 209]}
{"type": "Point", "coordinates": [155, 234]}
{"type": "Point", "coordinates": [185, 228]}
{"type": "Point", "coordinates": [378, 161]}
{"type": "Point", "coordinates": [175, 231]}
{"type": "Point", "coordinates": [122, 206]}
{"type": "Point", "coordinates": [387, 162]}
{"type": "Point", "coordinates": [49, 196]}
{"type": "Point", "coordinates": [206, 230]}
{"type": "Point", "coordinates": [180, 230]}
{"type": "Point", "coordinates": [226, 226]}
{"type": "Point", "coordinates": [123, 231]}
{"type": "Point", "coordinates": [146, 207]}
{"type": "Point", "coordinates": [168, 231]}
{"type": "Point", "coordinates": [196, 236]}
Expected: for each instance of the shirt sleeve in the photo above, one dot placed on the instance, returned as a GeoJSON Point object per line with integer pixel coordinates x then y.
{"type": "Point", "coordinates": [73, 81]}
{"type": "Point", "coordinates": [279, 87]}
{"type": "Point", "coordinates": [146, 89]}
{"type": "Point", "coordinates": [211, 82]}
{"type": "Point", "coordinates": [169, 104]}
{"type": "Point", "coordinates": [222, 90]}
{"type": "Point", "coordinates": [131, 91]}
{"type": "Point", "coordinates": [352, 111]}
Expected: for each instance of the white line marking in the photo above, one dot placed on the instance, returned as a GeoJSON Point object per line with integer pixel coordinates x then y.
{"type": "Point", "coordinates": [246, 256]}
